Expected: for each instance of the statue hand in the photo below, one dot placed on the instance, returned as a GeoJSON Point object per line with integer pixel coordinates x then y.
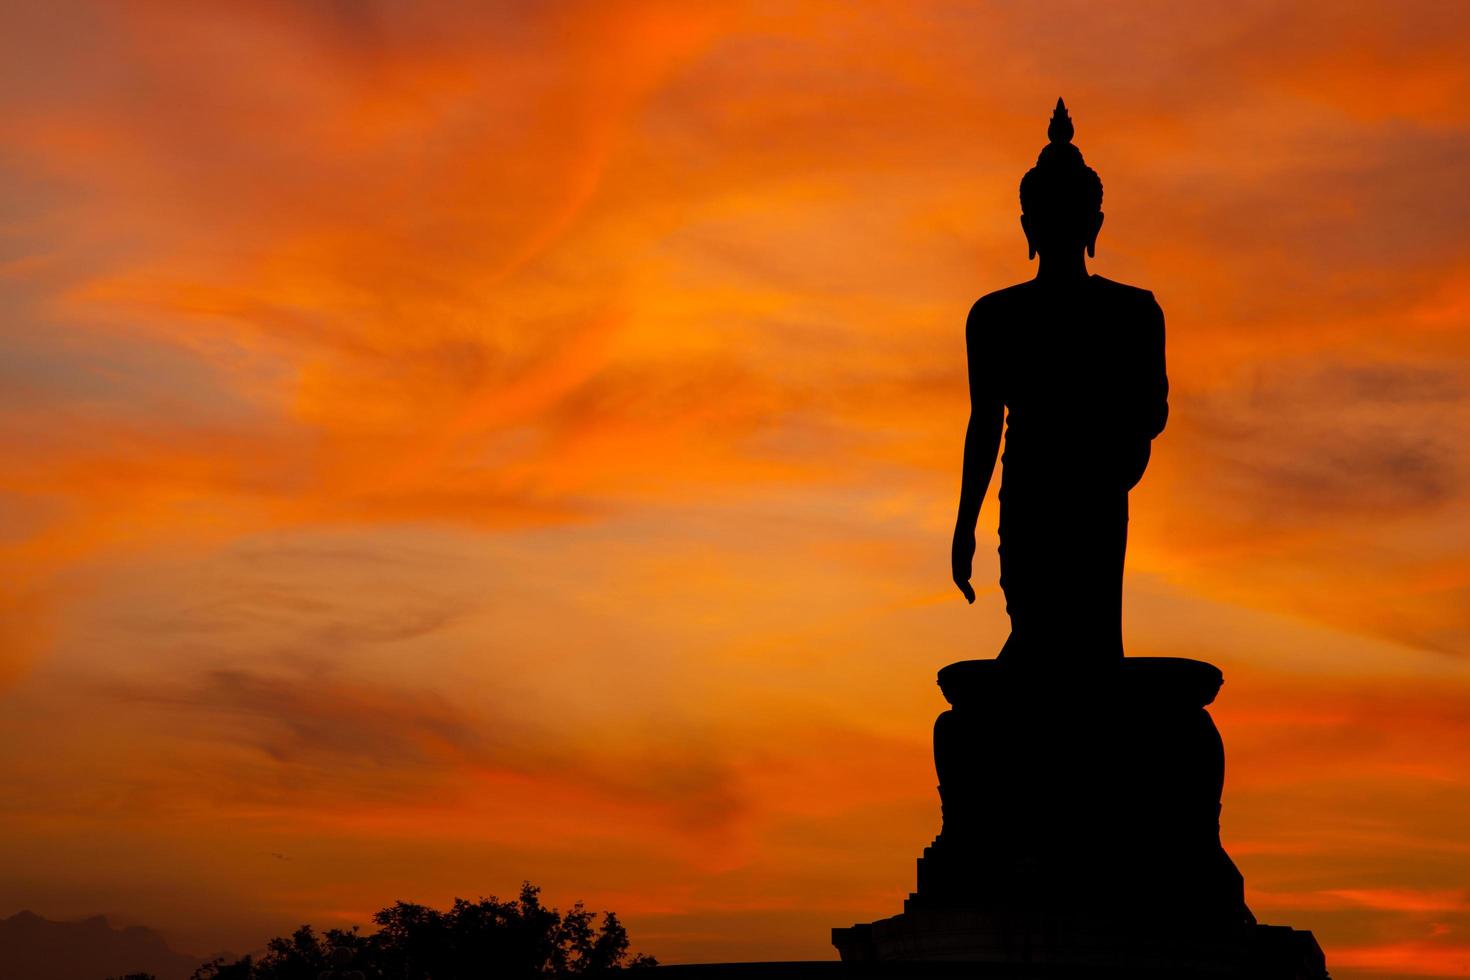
{"type": "Point", "coordinates": [1135, 461]}
{"type": "Point", "coordinates": [961, 555]}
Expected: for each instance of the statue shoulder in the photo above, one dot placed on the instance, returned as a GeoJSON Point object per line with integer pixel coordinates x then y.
{"type": "Point", "coordinates": [995, 306]}
{"type": "Point", "coordinates": [1124, 293]}
{"type": "Point", "coordinates": [1008, 295]}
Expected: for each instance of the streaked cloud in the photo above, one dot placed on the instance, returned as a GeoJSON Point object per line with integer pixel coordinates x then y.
{"type": "Point", "coordinates": [520, 441]}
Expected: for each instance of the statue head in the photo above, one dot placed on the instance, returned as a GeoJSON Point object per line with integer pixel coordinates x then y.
{"type": "Point", "coordinates": [1061, 197]}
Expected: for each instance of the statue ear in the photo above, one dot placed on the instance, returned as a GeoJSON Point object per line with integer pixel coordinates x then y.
{"type": "Point", "coordinates": [1030, 248]}
{"type": "Point", "coordinates": [1092, 242]}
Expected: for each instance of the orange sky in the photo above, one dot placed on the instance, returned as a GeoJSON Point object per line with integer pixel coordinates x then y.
{"type": "Point", "coordinates": [443, 446]}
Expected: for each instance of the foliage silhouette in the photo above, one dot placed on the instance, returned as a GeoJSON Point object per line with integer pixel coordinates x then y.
{"type": "Point", "coordinates": [483, 939]}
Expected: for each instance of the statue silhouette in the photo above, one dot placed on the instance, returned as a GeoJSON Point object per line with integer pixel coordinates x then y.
{"type": "Point", "coordinates": [1072, 365]}
{"type": "Point", "coordinates": [1080, 792]}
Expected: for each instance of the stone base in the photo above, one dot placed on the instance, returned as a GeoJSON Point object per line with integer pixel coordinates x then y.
{"type": "Point", "coordinates": [1081, 833]}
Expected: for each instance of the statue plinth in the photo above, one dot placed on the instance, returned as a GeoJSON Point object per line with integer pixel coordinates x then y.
{"type": "Point", "coordinates": [1081, 829]}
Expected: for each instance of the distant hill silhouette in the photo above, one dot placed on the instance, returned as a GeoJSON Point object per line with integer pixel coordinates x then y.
{"type": "Point", "coordinates": [35, 948]}
{"type": "Point", "coordinates": [520, 938]}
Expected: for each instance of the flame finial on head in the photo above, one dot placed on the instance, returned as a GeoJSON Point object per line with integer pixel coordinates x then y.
{"type": "Point", "coordinates": [1060, 130]}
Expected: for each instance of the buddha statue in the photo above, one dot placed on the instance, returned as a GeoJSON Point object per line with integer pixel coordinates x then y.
{"type": "Point", "coordinates": [1080, 791]}
{"type": "Point", "coordinates": [1070, 366]}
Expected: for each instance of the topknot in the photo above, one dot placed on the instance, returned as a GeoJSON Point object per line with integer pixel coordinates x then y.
{"type": "Point", "coordinates": [1061, 181]}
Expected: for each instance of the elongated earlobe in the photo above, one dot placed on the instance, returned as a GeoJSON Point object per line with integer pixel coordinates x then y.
{"type": "Point", "coordinates": [1092, 244]}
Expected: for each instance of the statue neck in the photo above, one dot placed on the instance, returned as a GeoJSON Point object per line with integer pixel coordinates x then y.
{"type": "Point", "coordinates": [1059, 269]}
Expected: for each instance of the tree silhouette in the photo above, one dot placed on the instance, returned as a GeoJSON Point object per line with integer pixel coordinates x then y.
{"type": "Point", "coordinates": [489, 938]}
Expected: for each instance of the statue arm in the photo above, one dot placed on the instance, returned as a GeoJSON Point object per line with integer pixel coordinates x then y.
{"type": "Point", "coordinates": [982, 442]}
{"type": "Point", "coordinates": [1155, 396]}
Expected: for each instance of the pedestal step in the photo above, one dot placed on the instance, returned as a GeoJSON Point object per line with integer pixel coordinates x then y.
{"type": "Point", "coordinates": [960, 936]}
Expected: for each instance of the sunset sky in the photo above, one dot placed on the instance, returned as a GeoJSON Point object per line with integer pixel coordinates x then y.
{"type": "Point", "coordinates": [449, 444]}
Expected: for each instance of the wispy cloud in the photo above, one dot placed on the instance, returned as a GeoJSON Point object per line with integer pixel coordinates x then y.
{"type": "Point", "coordinates": [529, 433]}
